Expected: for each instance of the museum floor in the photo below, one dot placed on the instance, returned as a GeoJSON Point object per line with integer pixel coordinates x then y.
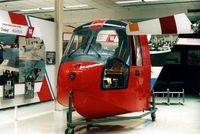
{"type": "Point", "coordinates": [172, 119]}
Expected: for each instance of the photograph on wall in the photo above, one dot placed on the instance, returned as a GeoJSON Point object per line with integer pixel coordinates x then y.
{"type": "Point", "coordinates": [36, 68]}
{"type": "Point", "coordinates": [160, 48]}
{"type": "Point", "coordinates": [31, 49]}
{"type": "Point", "coordinates": [50, 58]}
{"type": "Point", "coordinates": [21, 56]}
{"type": "Point", "coordinates": [162, 43]}
{"type": "Point", "coordinates": [9, 54]}
{"type": "Point", "coordinates": [31, 59]}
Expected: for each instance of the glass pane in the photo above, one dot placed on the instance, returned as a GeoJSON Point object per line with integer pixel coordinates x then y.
{"type": "Point", "coordinates": [106, 42]}
{"type": "Point", "coordinates": [194, 57]}
{"type": "Point", "coordinates": [138, 51]}
{"type": "Point", "coordinates": [79, 42]}
{"type": "Point", "coordinates": [174, 58]}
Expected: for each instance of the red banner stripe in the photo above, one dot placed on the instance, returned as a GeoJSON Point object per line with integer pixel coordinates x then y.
{"type": "Point", "coordinates": [18, 19]}
{"type": "Point", "coordinates": [45, 93]}
{"type": "Point", "coordinates": [168, 25]}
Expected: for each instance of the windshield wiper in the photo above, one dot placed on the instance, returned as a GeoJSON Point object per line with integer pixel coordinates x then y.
{"type": "Point", "coordinates": [99, 56]}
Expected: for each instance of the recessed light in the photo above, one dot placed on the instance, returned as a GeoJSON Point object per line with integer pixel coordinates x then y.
{"type": "Point", "coordinates": [27, 10]}
{"type": "Point", "coordinates": [127, 2]}
{"type": "Point", "coordinates": [47, 8]}
{"type": "Point", "coordinates": [153, 0]}
{"type": "Point", "coordinates": [76, 6]}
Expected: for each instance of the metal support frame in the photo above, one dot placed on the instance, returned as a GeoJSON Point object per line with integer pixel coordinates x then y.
{"type": "Point", "coordinates": [178, 92]}
{"type": "Point", "coordinates": [170, 94]}
{"type": "Point", "coordinates": [167, 95]}
{"type": "Point", "coordinates": [70, 125]}
{"type": "Point", "coordinates": [93, 122]}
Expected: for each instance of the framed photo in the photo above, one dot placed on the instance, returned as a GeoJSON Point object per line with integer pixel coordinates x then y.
{"type": "Point", "coordinates": [29, 90]}
{"type": "Point", "coordinates": [50, 58]}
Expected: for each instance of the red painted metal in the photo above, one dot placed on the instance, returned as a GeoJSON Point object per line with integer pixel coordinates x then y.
{"type": "Point", "coordinates": [168, 25]}
{"type": "Point", "coordinates": [91, 101]}
{"type": "Point", "coordinates": [97, 24]}
{"type": "Point", "coordinates": [45, 93]}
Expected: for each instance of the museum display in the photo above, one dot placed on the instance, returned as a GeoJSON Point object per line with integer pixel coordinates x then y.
{"type": "Point", "coordinates": [119, 56]}
{"type": "Point", "coordinates": [22, 54]}
{"type": "Point", "coordinates": [22, 62]}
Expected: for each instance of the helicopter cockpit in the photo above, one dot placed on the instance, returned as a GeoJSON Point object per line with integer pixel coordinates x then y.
{"type": "Point", "coordinates": [108, 45]}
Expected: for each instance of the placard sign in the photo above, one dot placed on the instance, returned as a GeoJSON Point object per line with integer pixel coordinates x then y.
{"type": "Point", "coordinates": [16, 29]}
{"type": "Point", "coordinates": [29, 89]}
{"type": "Point", "coordinates": [8, 89]}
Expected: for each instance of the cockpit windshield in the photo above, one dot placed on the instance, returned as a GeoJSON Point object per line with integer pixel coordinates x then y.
{"type": "Point", "coordinates": [99, 44]}
{"type": "Point", "coordinates": [79, 42]}
{"type": "Point", "coordinates": [108, 45]}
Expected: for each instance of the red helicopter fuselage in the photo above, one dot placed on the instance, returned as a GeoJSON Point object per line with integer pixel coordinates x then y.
{"type": "Point", "coordinates": [107, 70]}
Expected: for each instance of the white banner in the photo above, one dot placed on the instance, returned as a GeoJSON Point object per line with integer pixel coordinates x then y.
{"type": "Point", "coordinates": [15, 29]}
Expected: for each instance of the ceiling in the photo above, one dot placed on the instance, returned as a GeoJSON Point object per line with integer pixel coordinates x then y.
{"type": "Point", "coordinates": [96, 9]}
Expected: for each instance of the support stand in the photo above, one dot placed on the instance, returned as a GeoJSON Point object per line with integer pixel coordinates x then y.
{"type": "Point", "coordinates": [89, 123]}
{"type": "Point", "coordinates": [70, 125]}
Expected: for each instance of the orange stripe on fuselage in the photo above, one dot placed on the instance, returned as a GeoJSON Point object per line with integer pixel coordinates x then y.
{"type": "Point", "coordinates": [133, 27]}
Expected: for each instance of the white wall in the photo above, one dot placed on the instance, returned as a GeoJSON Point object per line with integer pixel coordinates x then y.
{"type": "Point", "coordinates": [47, 33]}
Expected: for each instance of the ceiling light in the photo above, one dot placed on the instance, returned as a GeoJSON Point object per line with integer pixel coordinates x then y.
{"type": "Point", "coordinates": [152, 0]}
{"type": "Point", "coordinates": [76, 6]}
{"type": "Point", "coordinates": [28, 10]}
{"type": "Point", "coordinates": [127, 2]}
{"type": "Point", "coordinates": [47, 8]}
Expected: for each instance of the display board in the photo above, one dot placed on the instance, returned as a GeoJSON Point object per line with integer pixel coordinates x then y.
{"type": "Point", "coordinates": [23, 70]}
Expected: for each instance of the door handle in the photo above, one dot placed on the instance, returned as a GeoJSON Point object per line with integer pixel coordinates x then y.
{"type": "Point", "coordinates": [137, 73]}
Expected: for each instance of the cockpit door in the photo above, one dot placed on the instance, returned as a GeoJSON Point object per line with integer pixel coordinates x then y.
{"type": "Point", "coordinates": [117, 68]}
{"type": "Point", "coordinates": [140, 70]}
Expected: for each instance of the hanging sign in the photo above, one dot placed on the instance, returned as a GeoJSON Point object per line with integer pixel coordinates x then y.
{"type": "Point", "coordinates": [16, 29]}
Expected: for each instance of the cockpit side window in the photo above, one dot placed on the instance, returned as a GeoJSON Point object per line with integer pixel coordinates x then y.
{"type": "Point", "coordinates": [137, 51]}
{"type": "Point", "coordinates": [116, 70]}
{"type": "Point", "coordinates": [133, 52]}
